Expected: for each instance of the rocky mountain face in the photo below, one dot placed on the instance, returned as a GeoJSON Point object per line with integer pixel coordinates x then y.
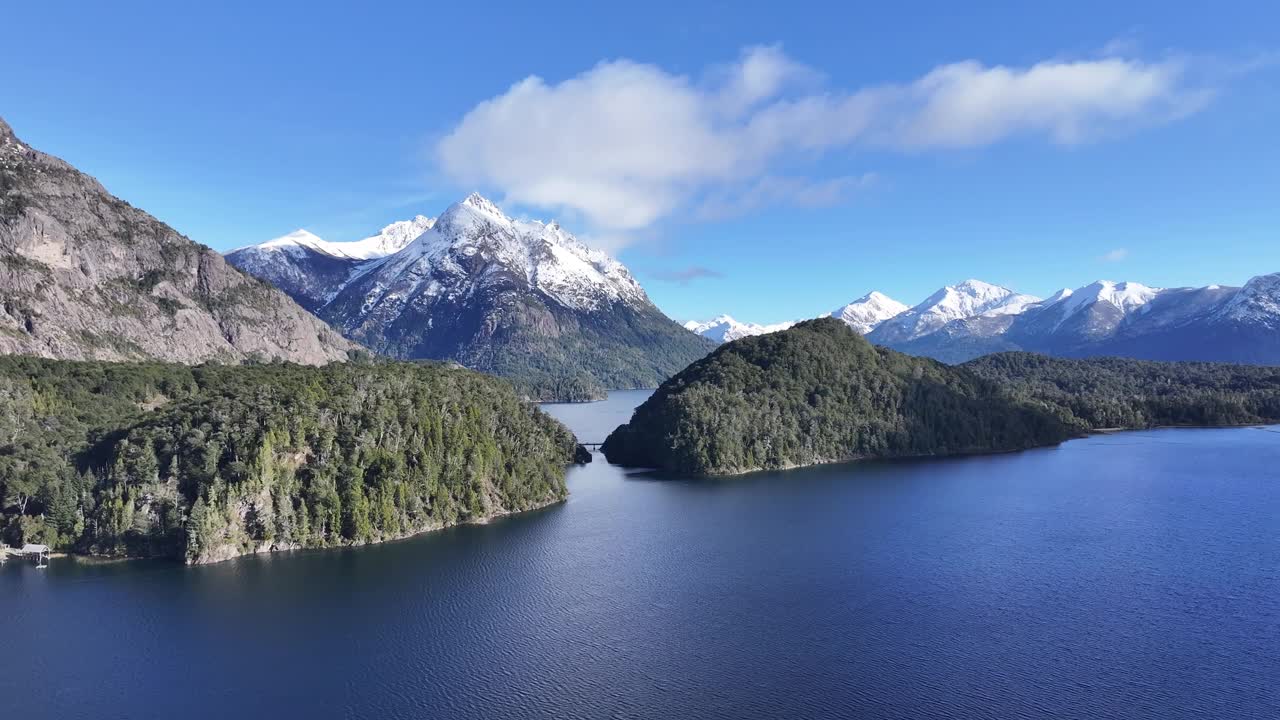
{"type": "Point", "coordinates": [521, 299]}
{"type": "Point", "coordinates": [311, 270]}
{"type": "Point", "coordinates": [85, 275]}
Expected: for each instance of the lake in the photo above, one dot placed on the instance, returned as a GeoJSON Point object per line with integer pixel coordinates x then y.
{"type": "Point", "coordinates": [1133, 575]}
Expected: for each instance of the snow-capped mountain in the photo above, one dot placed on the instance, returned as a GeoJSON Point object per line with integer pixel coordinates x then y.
{"type": "Point", "coordinates": [970, 298]}
{"type": "Point", "coordinates": [724, 328]}
{"type": "Point", "coordinates": [519, 298]}
{"type": "Point", "coordinates": [387, 241]}
{"type": "Point", "coordinates": [869, 311]}
{"type": "Point", "coordinates": [1076, 318]}
{"type": "Point", "coordinates": [474, 245]}
{"type": "Point", "coordinates": [312, 270]}
{"type": "Point", "coordinates": [1117, 318]}
{"type": "Point", "coordinates": [1257, 303]}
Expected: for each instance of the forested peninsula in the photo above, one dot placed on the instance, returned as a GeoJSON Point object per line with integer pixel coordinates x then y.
{"type": "Point", "coordinates": [821, 393]}
{"type": "Point", "coordinates": [210, 462]}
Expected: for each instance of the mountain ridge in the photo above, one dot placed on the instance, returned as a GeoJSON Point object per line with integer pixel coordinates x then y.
{"type": "Point", "coordinates": [524, 299]}
{"type": "Point", "coordinates": [85, 275]}
{"type": "Point", "coordinates": [1128, 319]}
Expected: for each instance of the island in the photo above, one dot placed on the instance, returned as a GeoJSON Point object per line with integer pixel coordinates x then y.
{"type": "Point", "coordinates": [821, 393]}
{"type": "Point", "coordinates": [210, 462]}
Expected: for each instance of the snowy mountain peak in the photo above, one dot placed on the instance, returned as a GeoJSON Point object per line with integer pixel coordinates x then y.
{"type": "Point", "coordinates": [724, 328]}
{"type": "Point", "coordinates": [471, 216]}
{"type": "Point", "coordinates": [389, 240]}
{"type": "Point", "coordinates": [968, 299]}
{"type": "Point", "coordinates": [869, 311]}
{"type": "Point", "coordinates": [1257, 302]}
{"type": "Point", "coordinates": [1125, 296]}
{"type": "Point", "coordinates": [483, 204]}
{"type": "Point", "coordinates": [978, 287]}
{"type": "Point", "coordinates": [474, 244]}
{"type": "Point", "coordinates": [396, 236]}
{"type": "Point", "coordinates": [301, 237]}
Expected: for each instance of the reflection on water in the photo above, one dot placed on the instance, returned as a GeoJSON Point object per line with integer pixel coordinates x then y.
{"type": "Point", "coordinates": [1132, 575]}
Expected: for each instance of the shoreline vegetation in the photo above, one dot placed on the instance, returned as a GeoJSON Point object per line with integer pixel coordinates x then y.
{"type": "Point", "coordinates": [210, 462]}
{"type": "Point", "coordinates": [820, 393]}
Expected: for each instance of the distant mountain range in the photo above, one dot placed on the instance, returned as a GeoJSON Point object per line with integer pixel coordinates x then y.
{"type": "Point", "coordinates": [819, 393]}
{"type": "Point", "coordinates": [521, 299]}
{"type": "Point", "coordinates": [1128, 319]}
{"type": "Point", "coordinates": [85, 275]}
{"type": "Point", "coordinates": [724, 328]}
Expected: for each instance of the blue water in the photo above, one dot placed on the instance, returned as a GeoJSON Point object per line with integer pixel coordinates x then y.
{"type": "Point", "coordinates": [1133, 575]}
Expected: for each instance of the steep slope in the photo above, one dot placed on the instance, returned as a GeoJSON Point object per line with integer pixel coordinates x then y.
{"type": "Point", "coordinates": [953, 302]}
{"type": "Point", "coordinates": [869, 312]}
{"type": "Point", "coordinates": [1240, 325]}
{"type": "Point", "coordinates": [819, 393]}
{"type": "Point", "coordinates": [85, 275]}
{"type": "Point", "coordinates": [311, 270]}
{"type": "Point", "coordinates": [1082, 317]}
{"type": "Point", "coordinates": [521, 299]}
{"type": "Point", "coordinates": [724, 328]}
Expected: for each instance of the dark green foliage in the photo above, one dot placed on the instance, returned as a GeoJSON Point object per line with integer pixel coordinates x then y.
{"type": "Point", "coordinates": [820, 393]}
{"type": "Point", "coordinates": [1122, 393]}
{"type": "Point", "coordinates": [215, 461]}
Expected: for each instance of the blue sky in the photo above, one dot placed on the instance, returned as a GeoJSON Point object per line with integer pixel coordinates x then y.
{"type": "Point", "coordinates": [767, 160]}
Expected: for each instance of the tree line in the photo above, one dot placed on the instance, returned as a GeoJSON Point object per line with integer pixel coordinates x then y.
{"type": "Point", "coordinates": [212, 461]}
{"type": "Point", "coordinates": [819, 392]}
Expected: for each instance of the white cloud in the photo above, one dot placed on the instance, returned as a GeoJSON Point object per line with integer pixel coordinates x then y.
{"type": "Point", "coordinates": [1114, 255]}
{"type": "Point", "coordinates": [966, 104]}
{"type": "Point", "coordinates": [626, 144]}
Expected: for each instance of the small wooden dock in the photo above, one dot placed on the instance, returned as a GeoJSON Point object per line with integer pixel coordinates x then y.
{"type": "Point", "coordinates": [39, 553]}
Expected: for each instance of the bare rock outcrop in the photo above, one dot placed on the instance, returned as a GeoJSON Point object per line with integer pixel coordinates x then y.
{"type": "Point", "coordinates": [85, 275]}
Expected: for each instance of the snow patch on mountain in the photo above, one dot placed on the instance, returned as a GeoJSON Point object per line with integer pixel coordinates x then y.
{"type": "Point", "coordinates": [953, 302]}
{"type": "Point", "coordinates": [724, 328]}
{"type": "Point", "coordinates": [1258, 302]}
{"type": "Point", "coordinates": [869, 311]}
{"type": "Point", "coordinates": [1126, 296]}
{"type": "Point", "coordinates": [387, 241]}
{"type": "Point", "coordinates": [473, 244]}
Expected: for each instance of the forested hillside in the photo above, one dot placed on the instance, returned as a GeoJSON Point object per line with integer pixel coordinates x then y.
{"type": "Point", "coordinates": [817, 393]}
{"type": "Point", "coordinates": [820, 393]}
{"type": "Point", "coordinates": [1121, 393]}
{"type": "Point", "coordinates": [209, 462]}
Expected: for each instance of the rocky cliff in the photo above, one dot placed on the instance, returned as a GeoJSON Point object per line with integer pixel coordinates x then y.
{"type": "Point", "coordinates": [85, 275]}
